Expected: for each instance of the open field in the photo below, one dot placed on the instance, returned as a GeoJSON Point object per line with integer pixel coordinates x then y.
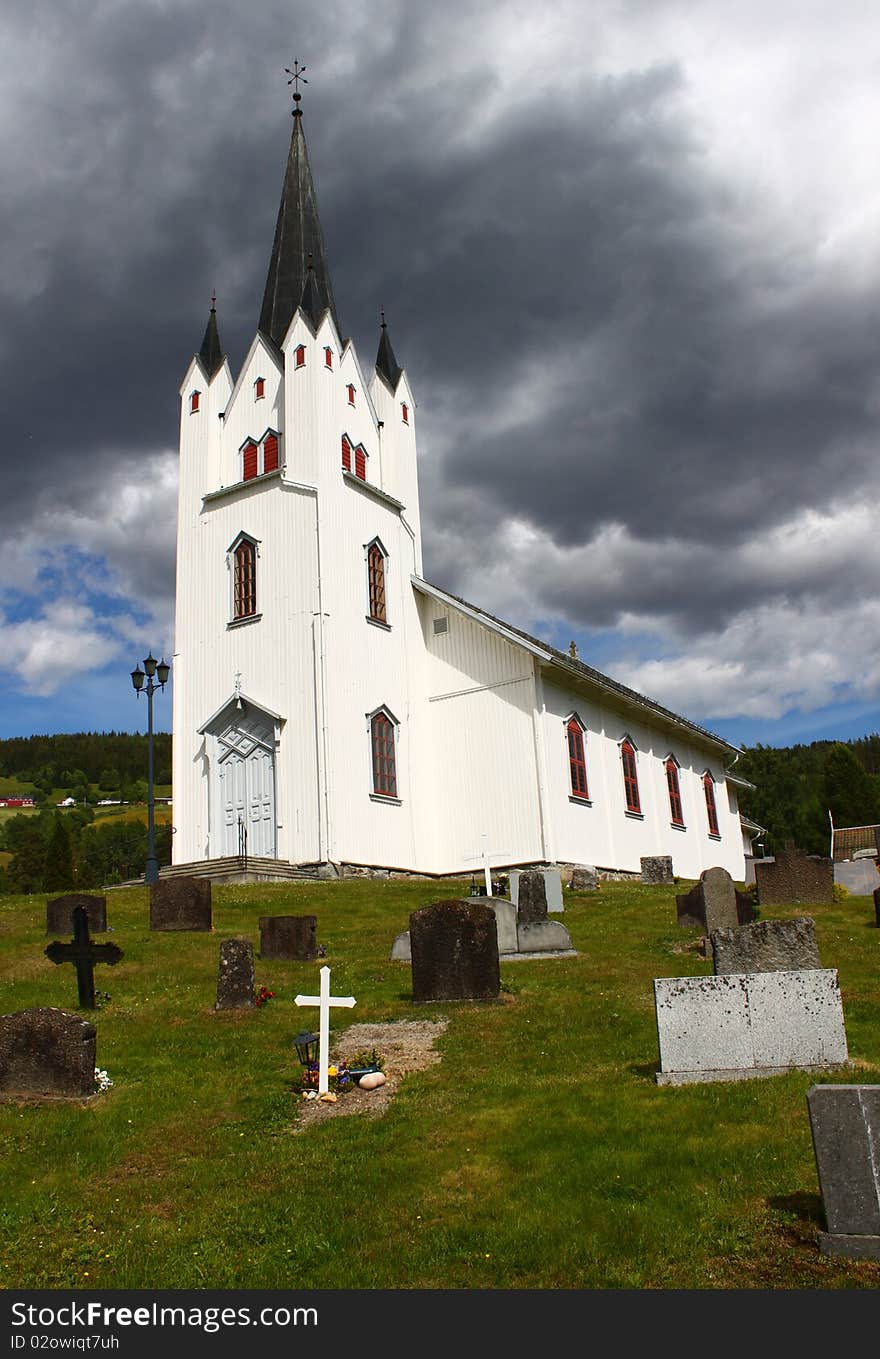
{"type": "Point", "coordinates": [537, 1153]}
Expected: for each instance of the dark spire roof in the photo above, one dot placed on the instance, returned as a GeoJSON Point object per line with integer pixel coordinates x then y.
{"type": "Point", "coordinates": [298, 238]}
{"type": "Point", "coordinates": [311, 303]}
{"type": "Point", "coordinates": [211, 352]}
{"type": "Point", "coordinates": [386, 363]}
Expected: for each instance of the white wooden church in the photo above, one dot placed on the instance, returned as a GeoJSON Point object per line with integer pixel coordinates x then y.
{"type": "Point", "coordinates": [333, 707]}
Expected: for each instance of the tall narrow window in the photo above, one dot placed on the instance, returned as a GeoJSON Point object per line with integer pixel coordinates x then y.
{"type": "Point", "coordinates": [328, 357]}
{"type": "Point", "coordinates": [270, 453]}
{"type": "Point", "coordinates": [404, 410]}
{"type": "Point", "coordinates": [376, 575]}
{"type": "Point", "coordinates": [672, 784]}
{"type": "Point", "coordinates": [244, 594]}
{"type": "Point", "coordinates": [259, 389]}
{"type": "Point", "coordinates": [249, 460]}
{"type": "Point", "coordinates": [630, 776]}
{"type": "Point", "coordinates": [300, 356]}
{"type": "Point", "coordinates": [382, 744]}
{"type": "Point", "coordinates": [360, 462]}
{"type": "Point", "coordinates": [194, 402]}
{"type": "Point", "coordinates": [350, 394]}
{"type": "Point", "coordinates": [711, 811]}
{"type": "Point", "coordinates": [577, 764]}
{"type": "Point", "coordinates": [346, 453]}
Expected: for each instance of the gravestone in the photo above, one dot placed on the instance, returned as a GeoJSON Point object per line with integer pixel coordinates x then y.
{"type": "Point", "coordinates": [454, 946]}
{"type": "Point", "coordinates": [795, 878]}
{"type": "Point", "coordinates": [531, 901]}
{"type": "Point", "coordinates": [47, 1052]}
{"type": "Point", "coordinates": [235, 975]}
{"type": "Point", "coordinates": [291, 937]}
{"type": "Point", "coordinates": [552, 880]}
{"type": "Point", "coordinates": [858, 876]}
{"type": "Point", "coordinates": [584, 878]}
{"type": "Point", "coordinates": [59, 913]}
{"type": "Point", "coordinates": [714, 903]}
{"type": "Point", "coordinates": [83, 953]}
{"type": "Point", "coordinates": [766, 946]}
{"type": "Point", "coordinates": [735, 1027]}
{"type": "Point", "coordinates": [180, 904]}
{"type": "Point", "coordinates": [845, 1123]}
{"type": "Point", "coordinates": [657, 868]}
{"type": "Point", "coordinates": [877, 907]}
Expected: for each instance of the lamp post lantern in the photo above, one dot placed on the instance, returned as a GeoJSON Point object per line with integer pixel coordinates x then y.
{"type": "Point", "coordinates": [156, 675]}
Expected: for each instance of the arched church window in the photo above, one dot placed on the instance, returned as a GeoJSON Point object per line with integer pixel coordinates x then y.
{"type": "Point", "coordinates": [300, 356]}
{"type": "Point", "coordinates": [672, 784]}
{"type": "Point", "coordinates": [259, 389]}
{"type": "Point", "coordinates": [376, 582]}
{"type": "Point", "coordinates": [383, 755]}
{"type": "Point", "coordinates": [630, 776]}
{"type": "Point", "coordinates": [244, 587]}
{"type": "Point", "coordinates": [194, 398]}
{"type": "Point", "coordinates": [711, 810]}
{"type": "Point", "coordinates": [577, 760]}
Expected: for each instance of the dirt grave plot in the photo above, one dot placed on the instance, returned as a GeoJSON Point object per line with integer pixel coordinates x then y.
{"type": "Point", "coordinates": [404, 1045]}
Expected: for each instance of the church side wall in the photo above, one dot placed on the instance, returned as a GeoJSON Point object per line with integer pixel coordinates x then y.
{"type": "Point", "coordinates": [601, 832]}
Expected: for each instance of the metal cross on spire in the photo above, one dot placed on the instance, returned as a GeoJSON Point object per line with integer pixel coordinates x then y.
{"type": "Point", "coordinates": [296, 75]}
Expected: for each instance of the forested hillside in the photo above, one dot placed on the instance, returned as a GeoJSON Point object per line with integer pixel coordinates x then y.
{"type": "Point", "coordinates": [796, 786]}
{"type": "Point", "coordinates": [108, 759]}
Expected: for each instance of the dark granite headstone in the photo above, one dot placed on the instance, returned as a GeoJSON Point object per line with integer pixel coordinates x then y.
{"type": "Point", "coordinates": [59, 913]}
{"type": "Point", "coordinates": [454, 947]}
{"type": "Point", "coordinates": [657, 868]}
{"type": "Point", "coordinates": [531, 903]}
{"type": "Point", "coordinates": [289, 936]}
{"type": "Point", "coordinates": [845, 1123]}
{"type": "Point", "coordinates": [47, 1052]}
{"type": "Point", "coordinates": [235, 975]}
{"type": "Point", "coordinates": [795, 878]}
{"type": "Point", "coordinates": [877, 906]}
{"type": "Point", "coordinates": [714, 903]}
{"type": "Point", "coordinates": [180, 904]}
{"type": "Point", "coordinates": [766, 946]}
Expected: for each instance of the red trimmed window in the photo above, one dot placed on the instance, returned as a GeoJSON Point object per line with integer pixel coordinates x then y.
{"type": "Point", "coordinates": [577, 764]}
{"type": "Point", "coordinates": [630, 777]}
{"type": "Point", "coordinates": [346, 453]}
{"type": "Point", "coordinates": [672, 784]}
{"type": "Point", "coordinates": [259, 389]}
{"type": "Point", "coordinates": [249, 461]}
{"type": "Point", "coordinates": [360, 462]}
{"type": "Point", "coordinates": [350, 394]}
{"type": "Point", "coordinates": [270, 452]}
{"type": "Point", "coordinates": [328, 357]}
{"type": "Point", "coordinates": [245, 582]}
{"type": "Point", "coordinates": [376, 574]}
{"type": "Point", "coordinates": [711, 811]}
{"type": "Point", "coordinates": [382, 744]}
{"type": "Point", "coordinates": [300, 356]}
{"type": "Point", "coordinates": [404, 410]}
{"type": "Point", "coordinates": [194, 402]}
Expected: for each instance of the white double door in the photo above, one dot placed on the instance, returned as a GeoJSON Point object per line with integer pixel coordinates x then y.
{"type": "Point", "coordinates": [247, 802]}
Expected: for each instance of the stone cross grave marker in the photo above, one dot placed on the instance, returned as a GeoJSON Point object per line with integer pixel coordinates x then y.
{"type": "Point", "coordinates": [83, 953]}
{"type": "Point", "coordinates": [484, 856]}
{"type": "Point", "coordinates": [324, 1001]}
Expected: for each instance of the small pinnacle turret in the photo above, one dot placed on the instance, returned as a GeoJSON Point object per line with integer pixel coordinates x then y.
{"type": "Point", "coordinates": [386, 363]}
{"type": "Point", "coordinates": [211, 353]}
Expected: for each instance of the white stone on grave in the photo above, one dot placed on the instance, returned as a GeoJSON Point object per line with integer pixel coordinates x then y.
{"type": "Point", "coordinates": [324, 1001]}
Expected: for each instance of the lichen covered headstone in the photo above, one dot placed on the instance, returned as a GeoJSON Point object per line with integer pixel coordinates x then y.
{"type": "Point", "coordinates": [291, 937]}
{"type": "Point", "coordinates": [59, 913]}
{"type": "Point", "coordinates": [454, 947]}
{"type": "Point", "coordinates": [47, 1052]}
{"type": "Point", "coordinates": [235, 975]}
{"type": "Point", "coordinates": [180, 904]}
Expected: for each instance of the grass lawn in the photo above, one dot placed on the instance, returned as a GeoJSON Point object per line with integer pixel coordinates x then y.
{"type": "Point", "coordinates": [539, 1153]}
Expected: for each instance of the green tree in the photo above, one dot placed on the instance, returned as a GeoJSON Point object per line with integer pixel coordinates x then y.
{"type": "Point", "coordinates": [59, 871]}
{"type": "Point", "coordinates": [850, 794]}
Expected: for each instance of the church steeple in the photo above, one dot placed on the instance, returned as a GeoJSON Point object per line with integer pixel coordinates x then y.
{"type": "Point", "coordinates": [298, 240]}
{"type": "Point", "coordinates": [211, 353]}
{"type": "Point", "coordinates": [386, 363]}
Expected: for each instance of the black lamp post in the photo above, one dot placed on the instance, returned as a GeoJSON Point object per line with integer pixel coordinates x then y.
{"type": "Point", "coordinates": [156, 674]}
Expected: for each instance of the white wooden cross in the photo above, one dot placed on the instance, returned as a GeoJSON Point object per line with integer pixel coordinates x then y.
{"type": "Point", "coordinates": [484, 855]}
{"type": "Point", "coordinates": [324, 1000]}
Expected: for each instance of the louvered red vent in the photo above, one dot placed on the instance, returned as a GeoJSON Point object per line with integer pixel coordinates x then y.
{"type": "Point", "coordinates": [249, 461]}
{"type": "Point", "coordinates": [360, 464]}
{"type": "Point", "coordinates": [270, 453]}
{"type": "Point", "coordinates": [346, 454]}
